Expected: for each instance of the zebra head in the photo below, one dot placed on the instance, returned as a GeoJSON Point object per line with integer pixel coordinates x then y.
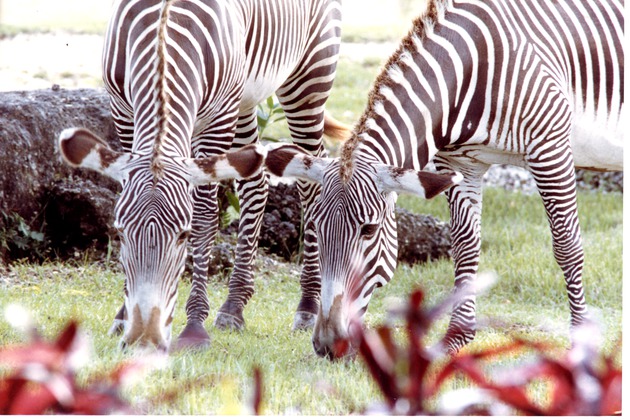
{"type": "Point", "coordinates": [153, 216]}
{"type": "Point", "coordinates": [356, 232]}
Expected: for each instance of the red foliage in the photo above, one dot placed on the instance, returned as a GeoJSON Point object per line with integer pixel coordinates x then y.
{"type": "Point", "coordinates": [43, 380]}
{"type": "Point", "coordinates": [581, 380]}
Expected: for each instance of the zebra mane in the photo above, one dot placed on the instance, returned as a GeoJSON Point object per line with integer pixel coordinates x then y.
{"type": "Point", "coordinates": [162, 96]}
{"type": "Point", "coordinates": [422, 26]}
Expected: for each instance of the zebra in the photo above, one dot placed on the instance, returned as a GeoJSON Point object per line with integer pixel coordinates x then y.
{"type": "Point", "coordinates": [537, 84]}
{"type": "Point", "coordinates": [184, 79]}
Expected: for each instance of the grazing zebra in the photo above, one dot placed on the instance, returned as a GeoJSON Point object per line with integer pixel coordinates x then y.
{"type": "Point", "coordinates": [538, 84]}
{"type": "Point", "coordinates": [185, 78]}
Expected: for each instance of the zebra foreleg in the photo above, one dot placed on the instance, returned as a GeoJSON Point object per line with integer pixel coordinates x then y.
{"type": "Point", "coordinates": [555, 179]}
{"type": "Point", "coordinates": [310, 280]}
{"type": "Point", "coordinates": [465, 207]}
{"type": "Point", "coordinates": [252, 195]}
{"type": "Point", "coordinates": [204, 232]}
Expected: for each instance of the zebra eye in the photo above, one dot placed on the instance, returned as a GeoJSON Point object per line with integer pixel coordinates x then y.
{"type": "Point", "coordinates": [369, 229]}
{"type": "Point", "coordinates": [183, 237]}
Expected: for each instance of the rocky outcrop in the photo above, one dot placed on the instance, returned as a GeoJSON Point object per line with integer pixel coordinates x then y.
{"type": "Point", "coordinates": [31, 171]}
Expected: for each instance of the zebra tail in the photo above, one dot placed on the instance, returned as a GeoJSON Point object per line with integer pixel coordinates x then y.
{"type": "Point", "coordinates": [335, 129]}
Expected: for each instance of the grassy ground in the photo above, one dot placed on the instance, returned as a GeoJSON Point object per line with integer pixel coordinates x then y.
{"type": "Point", "coordinates": [529, 299]}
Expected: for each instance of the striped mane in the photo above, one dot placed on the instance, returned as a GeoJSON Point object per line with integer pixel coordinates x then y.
{"type": "Point", "coordinates": [162, 95]}
{"type": "Point", "coordinates": [421, 26]}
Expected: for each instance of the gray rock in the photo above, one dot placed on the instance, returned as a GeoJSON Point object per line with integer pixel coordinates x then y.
{"type": "Point", "coordinates": [30, 166]}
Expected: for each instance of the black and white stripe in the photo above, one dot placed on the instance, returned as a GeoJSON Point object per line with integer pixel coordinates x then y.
{"type": "Point", "coordinates": [534, 83]}
{"type": "Point", "coordinates": [185, 77]}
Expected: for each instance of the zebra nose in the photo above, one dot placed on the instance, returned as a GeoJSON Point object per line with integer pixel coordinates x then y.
{"type": "Point", "coordinates": [324, 350]}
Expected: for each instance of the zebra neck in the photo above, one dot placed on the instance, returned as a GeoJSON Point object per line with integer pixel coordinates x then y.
{"type": "Point", "coordinates": [407, 118]}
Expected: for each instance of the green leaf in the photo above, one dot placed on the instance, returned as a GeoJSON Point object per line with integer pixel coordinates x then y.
{"type": "Point", "coordinates": [233, 200]}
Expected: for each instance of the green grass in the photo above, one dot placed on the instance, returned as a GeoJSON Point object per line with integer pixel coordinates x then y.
{"type": "Point", "coordinates": [37, 16]}
{"type": "Point", "coordinates": [529, 299]}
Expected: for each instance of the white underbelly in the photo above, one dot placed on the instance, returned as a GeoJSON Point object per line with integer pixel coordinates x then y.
{"type": "Point", "coordinates": [257, 89]}
{"type": "Point", "coordinates": [597, 143]}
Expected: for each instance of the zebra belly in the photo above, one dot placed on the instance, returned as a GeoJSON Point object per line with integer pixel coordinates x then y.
{"type": "Point", "coordinates": [484, 154]}
{"type": "Point", "coordinates": [257, 89]}
{"type": "Point", "coordinates": [597, 146]}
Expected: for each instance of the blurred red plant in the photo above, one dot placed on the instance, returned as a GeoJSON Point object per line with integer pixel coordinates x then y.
{"type": "Point", "coordinates": [582, 381]}
{"type": "Point", "coordinates": [42, 380]}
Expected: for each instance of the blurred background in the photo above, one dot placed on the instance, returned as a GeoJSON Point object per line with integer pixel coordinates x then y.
{"type": "Point", "coordinates": [44, 42]}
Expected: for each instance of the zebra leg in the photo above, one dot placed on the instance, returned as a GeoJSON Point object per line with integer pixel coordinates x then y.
{"type": "Point", "coordinates": [252, 196]}
{"type": "Point", "coordinates": [554, 172]}
{"type": "Point", "coordinates": [204, 231]}
{"type": "Point", "coordinates": [307, 130]}
{"type": "Point", "coordinates": [310, 279]}
{"type": "Point", "coordinates": [303, 97]}
{"type": "Point", "coordinates": [465, 207]}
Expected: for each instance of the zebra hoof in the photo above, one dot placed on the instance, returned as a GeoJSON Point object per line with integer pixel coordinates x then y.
{"type": "Point", "coordinates": [117, 328]}
{"type": "Point", "coordinates": [303, 321]}
{"type": "Point", "coordinates": [194, 337]}
{"type": "Point", "coordinates": [226, 321]}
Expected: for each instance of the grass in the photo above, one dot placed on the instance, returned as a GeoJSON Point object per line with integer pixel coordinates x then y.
{"type": "Point", "coordinates": [37, 16]}
{"type": "Point", "coordinates": [360, 24]}
{"type": "Point", "coordinates": [528, 298]}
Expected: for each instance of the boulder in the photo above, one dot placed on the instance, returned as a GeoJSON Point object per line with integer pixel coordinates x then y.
{"type": "Point", "coordinates": [31, 171]}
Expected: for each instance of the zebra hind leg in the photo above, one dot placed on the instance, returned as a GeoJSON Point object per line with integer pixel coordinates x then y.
{"type": "Point", "coordinates": [555, 179]}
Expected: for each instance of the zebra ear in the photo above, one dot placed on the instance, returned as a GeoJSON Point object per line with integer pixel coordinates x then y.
{"type": "Point", "coordinates": [241, 164]}
{"type": "Point", "coordinates": [81, 148]}
{"type": "Point", "coordinates": [292, 161]}
{"type": "Point", "coordinates": [422, 183]}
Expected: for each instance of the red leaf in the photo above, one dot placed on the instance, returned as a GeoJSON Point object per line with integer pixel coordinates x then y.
{"type": "Point", "coordinates": [67, 337]}
{"type": "Point", "coordinates": [41, 353]}
{"type": "Point", "coordinates": [384, 377]}
{"type": "Point", "coordinates": [32, 398]}
{"type": "Point", "coordinates": [258, 391]}
{"type": "Point", "coordinates": [98, 403]}
{"type": "Point", "coordinates": [611, 393]}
